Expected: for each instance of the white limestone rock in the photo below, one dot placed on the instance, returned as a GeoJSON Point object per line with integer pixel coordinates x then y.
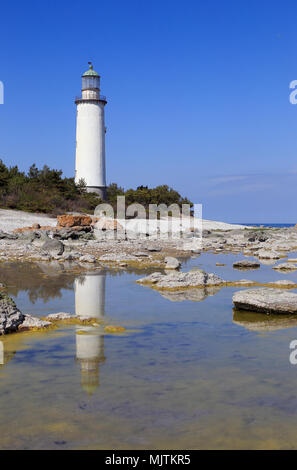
{"type": "Point", "coordinates": [59, 316]}
{"type": "Point", "coordinates": [171, 263]}
{"type": "Point", "coordinates": [285, 267]}
{"type": "Point", "coordinates": [181, 280]}
{"type": "Point", "coordinates": [265, 254]}
{"type": "Point", "coordinates": [266, 300]}
{"type": "Point", "coordinates": [33, 323]}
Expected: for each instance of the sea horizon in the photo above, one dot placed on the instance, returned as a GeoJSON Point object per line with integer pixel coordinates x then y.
{"type": "Point", "coordinates": [264, 224]}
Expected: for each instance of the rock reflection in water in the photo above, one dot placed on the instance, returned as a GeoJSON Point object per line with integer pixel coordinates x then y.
{"type": "Point", "coordinates": [90, 302]}
{"type": "Point", "coordinates": [193, 294]}
{"type": "Point", "coordinates": [261, 322]}
{"type": "Point", "coordinates": [268, 262]}
{"type": "Point", "coordinates": [41, 280]}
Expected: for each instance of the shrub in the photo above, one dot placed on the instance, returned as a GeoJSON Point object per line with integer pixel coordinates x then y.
{"type": "Point", "coordinates": [46, 190]}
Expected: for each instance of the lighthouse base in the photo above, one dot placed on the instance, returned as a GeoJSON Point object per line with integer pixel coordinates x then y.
{"type": "Point", "coordinates": [100, 190]}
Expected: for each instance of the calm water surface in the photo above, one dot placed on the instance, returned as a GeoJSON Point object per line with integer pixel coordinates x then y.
{"type": "Point", "coordinates": [189, 373]}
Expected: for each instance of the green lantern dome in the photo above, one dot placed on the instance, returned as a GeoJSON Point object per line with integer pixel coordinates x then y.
{"type": "Point", "coordinates": [91, 72]}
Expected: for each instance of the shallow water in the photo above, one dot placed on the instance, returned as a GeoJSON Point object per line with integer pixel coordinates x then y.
{"type": "Point", "coordinates": [186, 374]}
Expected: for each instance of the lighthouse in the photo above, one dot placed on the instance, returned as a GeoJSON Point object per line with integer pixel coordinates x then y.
{"type": "Point", "coordinates": [90, 135]}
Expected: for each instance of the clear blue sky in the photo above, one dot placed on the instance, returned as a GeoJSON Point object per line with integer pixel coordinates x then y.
{"type": "Point", "coordinates": [198, 95]}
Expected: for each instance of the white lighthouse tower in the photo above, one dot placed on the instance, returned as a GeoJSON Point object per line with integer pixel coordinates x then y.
{"type": "Point", "coordinates": [90, 135]}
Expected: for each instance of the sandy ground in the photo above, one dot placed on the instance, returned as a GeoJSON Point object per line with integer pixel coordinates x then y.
{"type": "Point", "coordinates": [11, 219]}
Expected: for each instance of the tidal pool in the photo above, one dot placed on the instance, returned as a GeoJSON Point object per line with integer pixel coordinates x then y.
{"type": "Point", "coordinates": [189, 373]}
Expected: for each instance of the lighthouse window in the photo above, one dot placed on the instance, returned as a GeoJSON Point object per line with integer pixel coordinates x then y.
{"type": "Point", "coordinates": [90, 82]}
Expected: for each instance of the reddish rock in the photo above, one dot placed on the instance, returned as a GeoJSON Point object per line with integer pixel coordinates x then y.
{"type": "Point", "coordinates": [68, 221]}
{"type": "Point", "coordinates": [33, 228]}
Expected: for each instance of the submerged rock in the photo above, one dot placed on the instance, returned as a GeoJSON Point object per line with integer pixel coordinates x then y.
{"type": "Point", "coordinates": [114, 329]}
{"type": "Point", "coordinates": [244, 282]}
{"type": "Point", "coordinates": [266, 300]}
{"type": "Point", "coordinates": [246, 264]}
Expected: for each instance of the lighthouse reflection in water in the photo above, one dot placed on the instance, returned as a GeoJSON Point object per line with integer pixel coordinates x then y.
{"type": "Point", "coordinates": [90, 302]}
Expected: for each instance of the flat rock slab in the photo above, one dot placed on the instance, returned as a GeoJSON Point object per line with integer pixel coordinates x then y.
{"type": "Point", "coordinates": [181, 280]}
{"type": "Point", "coordinates": [69, 318]}
{"type": "Point", "coordinates": [265, 254]}
{"type": "Point", "coordinates": [285, 267]}
{"type": "Point", "coordinates": [246, 264]}
{"type": "Point", "coordinates": [33, 323]}
{"type": "Point", "coordinates": [266, 300]}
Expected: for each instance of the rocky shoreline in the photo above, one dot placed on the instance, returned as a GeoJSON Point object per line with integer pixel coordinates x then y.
{"type": "Point", "coordinates": [76, 242]}
{"type": "Point", "coordinates": [75, 239]}
{"type": "Point", "coordinates": [12, 320]}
